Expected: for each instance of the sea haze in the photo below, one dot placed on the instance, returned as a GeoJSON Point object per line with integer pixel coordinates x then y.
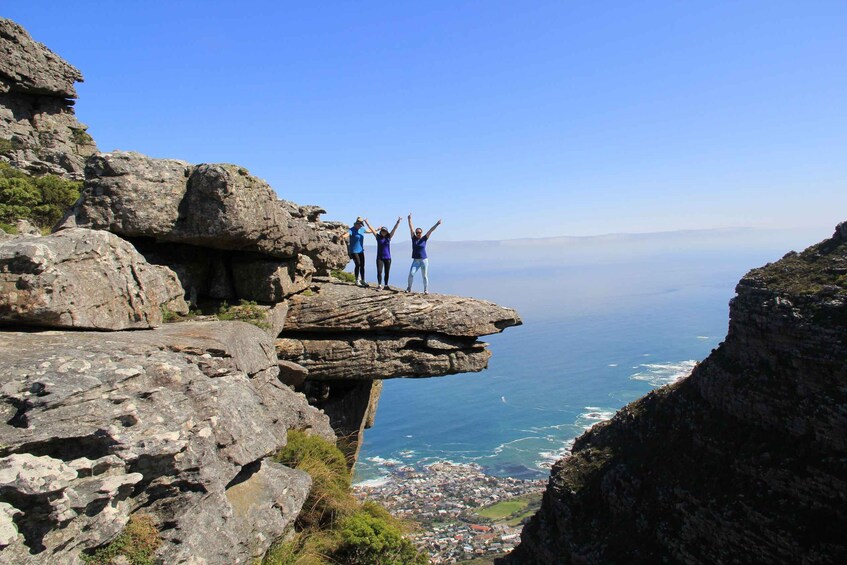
{"type": "Point", "coordinates": [606, 319]}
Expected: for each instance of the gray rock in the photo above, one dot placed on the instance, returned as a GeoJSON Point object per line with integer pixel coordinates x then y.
{"type": "Point", "coordinates": [38, 129]}
{"type": "Point", "coordinates": [83, 279]}
{"type": "Point", "coordinates": [337, 306]}
{"type": "Point", "coordinates": [217, 206]}
{"type": "Point", "coordinates": [292, 374]}
{"type": "Point", "coordinates": [271, 281]}
{"type": "Point", "coordinates": [26, 228]}
{"type": "Point", "coordinates": [177, 420]}
{"type": "Point", "coordinates": [361, 356]}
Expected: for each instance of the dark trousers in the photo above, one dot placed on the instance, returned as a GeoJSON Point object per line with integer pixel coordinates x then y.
{"type": "Point", "coordinates": [359, 265]}
{"type": "Point", "coordinates": [380, 263]}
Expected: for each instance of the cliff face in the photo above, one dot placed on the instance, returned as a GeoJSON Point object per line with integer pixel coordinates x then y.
{"type": "Point", "coordinates": [38, 129]}
{"type": "Point", "coordinates": [743, 461]}
{"type": "Point", "coordinates": [178, 422]}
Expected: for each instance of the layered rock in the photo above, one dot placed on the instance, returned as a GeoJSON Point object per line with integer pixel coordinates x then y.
{"type": "Point", "coordinates": [38, 129]}
{"type": "Point", "coordinates": [347, 337]}
{"type": "Point", "coordinates": [743, 461]}
{"type": "Point", "coordinates": [218, 206]}
{"type": "Point", "coordinates": [176, 422]}
{"type": "Point", "coordinates": [83, 279]}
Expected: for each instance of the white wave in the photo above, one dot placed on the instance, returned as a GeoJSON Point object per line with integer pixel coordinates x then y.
{"type": "Point", "coordinates": [613, 364]}
{"type": "Point", "coordinates": [373, 483]}
{"type": "Point", "coordinates": [703, 337]}
{"type": "Point", "coordinates": [659, 374]}
{"type": "Point", "coordinates": [407, 453]}
{"type": "Point", "coordinates": [547, 458]}
{"type": "Point", "coordinates": [383, 461]}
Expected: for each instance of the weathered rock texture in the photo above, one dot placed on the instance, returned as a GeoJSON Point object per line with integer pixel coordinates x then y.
{"type": "Point", "coordinates": [176, 422]}
{"type": "Point", "coordinates": [83, 279]}
{"type": "Point", "coordinates": [212, 206]}
{"type": "Point", "coordinates": [346, 337]}
{"type": "Point", "coordinates": [745, 461]}
{"type": "Point", "coordinates": [38, 129]}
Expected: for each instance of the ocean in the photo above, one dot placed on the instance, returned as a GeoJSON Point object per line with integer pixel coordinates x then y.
{"type": "Point", "coordinates": [606, 320]}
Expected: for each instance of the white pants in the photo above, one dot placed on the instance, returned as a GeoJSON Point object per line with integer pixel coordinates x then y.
{"type": "Point", "coordinates": [423, 265]}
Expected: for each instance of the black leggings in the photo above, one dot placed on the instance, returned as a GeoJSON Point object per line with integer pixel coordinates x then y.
{"type": "Point", "coordinates": [359, 265]}
{"type": "Point", "coordinates": [379, 264]}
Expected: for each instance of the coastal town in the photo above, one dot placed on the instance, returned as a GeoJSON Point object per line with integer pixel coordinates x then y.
{"type": "Point", "coordinates": [462, 512]}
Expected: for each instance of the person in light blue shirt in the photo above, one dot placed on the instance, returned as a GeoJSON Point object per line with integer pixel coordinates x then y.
{"type": "Point", "coordinates": [419, 259]}
{"type": "Point", "coordinates": [356, 250]}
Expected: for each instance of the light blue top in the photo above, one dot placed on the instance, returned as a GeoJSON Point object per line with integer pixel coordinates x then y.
{"type": "Point", "coordinates": [357, 240]}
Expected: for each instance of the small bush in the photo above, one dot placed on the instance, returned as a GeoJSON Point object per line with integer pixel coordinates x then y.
{"type": "Point", "coordinates": [343, 276]}
{"type": "Point", "coordinates": [41, 200]}
{"type": "Point", "coordinates": [81, 137]}
{"type": "Point", "coordinates": [330, 497]}
{"type": "Point", "coordinates": [372, 536]}
{"type": "Point", "coordinates": [9, 145]}
{"type": "Point", "coordinates": [246, 311]}
{"type": "Point", "coordinates": [137, 543]}
{"type": "Point", "coordinates": [332, 526]}
{"type": "Point", "coordinates": [8, 228]}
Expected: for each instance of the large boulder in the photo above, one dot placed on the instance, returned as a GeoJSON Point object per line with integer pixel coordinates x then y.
{"type": "Point", "coordinates": [216, 206]}
{"type": "Point", "coordinates": [38, 129]}
{"type": "Point", "coordinates": [83, 279]}
{"type": "Point", "coordinates": [175, 422]}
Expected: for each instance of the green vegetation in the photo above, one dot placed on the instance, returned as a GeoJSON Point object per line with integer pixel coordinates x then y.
{"type": "Point", "coordinates": [343, 276]}
{"type": "Point", "coordinates": [136, 543]}
{"type": "Point", "coordinates": [81, 137]}
{"type": "Point", "coordinates": [9, 145]}
{"type": "Point", "coordinates": [41, 200]}
{"type": "Point", "coordinates": [512, 511]}
{"type": "Point", "coordinates": [333, 527]}
{"type": "Point", "coordinates": [246, 311]}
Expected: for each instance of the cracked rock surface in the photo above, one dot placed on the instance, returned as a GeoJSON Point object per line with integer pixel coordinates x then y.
{"type": "Point", "coordinates": [177, 422]}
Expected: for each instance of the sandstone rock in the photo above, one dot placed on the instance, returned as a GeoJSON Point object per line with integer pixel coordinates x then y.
{"type": "Point", "coordinates": [743, 461]}
{"type": "Point", "coordinates": [216, 206]}
{"type": "Point", "coordinates": [26, 228]}
{"type": "Point", "coordinates": [345, 307]}
{"type": "Point", "coordinates": [292, 374]}
{"type": "Point", "coordinates": [363, 356]}
{"type": "Point", "coordinates": [38, 129]}
{"type": "Point", "coordinates": [83, 279]}
{"type": "Point", "coordinates": [177, 420]}
{"type": "Point", "coordinates": [271, 281]}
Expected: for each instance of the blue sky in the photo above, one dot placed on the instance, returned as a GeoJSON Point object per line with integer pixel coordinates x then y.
{"type": "Point", "coordinates": [506, 119]}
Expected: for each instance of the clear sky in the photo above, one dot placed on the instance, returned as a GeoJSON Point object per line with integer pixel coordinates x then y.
{"type": "Point", "coordinates": [506, 119]}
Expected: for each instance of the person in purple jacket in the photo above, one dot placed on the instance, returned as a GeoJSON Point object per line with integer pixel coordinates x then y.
{"type": "Point", "coordinates": [383, 251]}
{"type": "Point", "coordinates": [419, 258]}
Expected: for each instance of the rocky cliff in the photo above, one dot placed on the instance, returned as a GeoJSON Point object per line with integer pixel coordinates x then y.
{"type": "Point", "coordinates": [38, 129]}
{"type": "Point", "coordinates": [744, 461]}
{"type": "Point", "coordinates": [108, 413]}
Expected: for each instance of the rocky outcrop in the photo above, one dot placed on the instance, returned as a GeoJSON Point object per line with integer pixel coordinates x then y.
{"type": "Point", "coordinates": [176, 422]}
{"type": "Point", "coordinates": [743, 461]}
{"type": "Point", "coordinates": [219, 207]}
{"type": "Point", "coordinates": [347, 337]}
{"type": "Point", "coordinates": [38, 129]}
{"type": "Point", "coordinates": [83, 279]}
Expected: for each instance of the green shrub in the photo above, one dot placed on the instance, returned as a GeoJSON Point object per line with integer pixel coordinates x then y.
{"type": "Point", "coordinates": [330, 497]}
{"type": "Point", "coordinates": [372, 536]}
{"type": "Point", "coordinates": [333, 527]}
{"type": "Point", "coordinates": [41, 200]}
{"type": "Point", "coordinates": [137, 543]}
{"type": "Point", "coordinates": [8, 228]}
{"type": "Point", "coordinates": [81, 137]}
{"type": "Point", "coordinates": [9, 145]}
{"type": "Point", "coordinates": [343, 276]}
{"type": "Point", "coordinates": [246, 311]}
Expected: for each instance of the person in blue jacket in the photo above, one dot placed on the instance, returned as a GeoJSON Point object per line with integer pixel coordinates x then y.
{"type": "Point", "coordinates": [356, 250]}
{"type": "Point", "coordinates": [419, 258]}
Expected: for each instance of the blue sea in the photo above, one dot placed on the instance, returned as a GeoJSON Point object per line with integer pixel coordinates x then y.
{"type": "Point", "coordinates": [606, 320]}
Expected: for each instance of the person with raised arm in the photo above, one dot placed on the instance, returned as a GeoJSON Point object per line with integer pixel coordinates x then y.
{"type": "Point", "coordinates": [383, 251]}
{"type": "Point", "coordinates": [356, 250]}
{"type": "Point", "coordinates": [419, 258]}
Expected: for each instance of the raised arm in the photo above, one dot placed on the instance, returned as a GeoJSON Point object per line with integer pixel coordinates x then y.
{"type": "Point", "coordinates": [370, 229]}
{"type": "Point", "coordinates": [432, 229]}
{"type": "Point", "coordinates": [411, 227]}
{"type": "Point", "coordinates": [395, 227]}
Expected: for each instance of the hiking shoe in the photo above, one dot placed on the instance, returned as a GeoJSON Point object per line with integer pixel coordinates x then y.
{"type": "Point", "coordinates": [409, 289]}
